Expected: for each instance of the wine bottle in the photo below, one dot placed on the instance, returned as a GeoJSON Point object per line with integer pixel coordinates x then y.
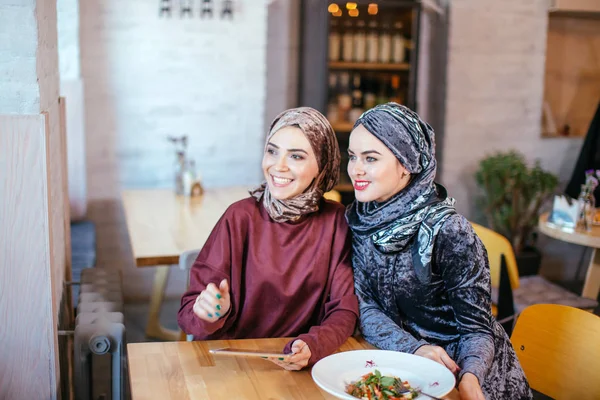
{"type": "Point", "coordinates": [334, 41]}
{"type": "Point", "coordinates": [385, 44]}
{"type": "Point", "coordinates": [347, 42]}
{"type": "Point", "coordinates": [360, 42]}
{"type": "Point", "coordinates": [372, 42]}
{"type": "Point", "coordinates": [398, 49]}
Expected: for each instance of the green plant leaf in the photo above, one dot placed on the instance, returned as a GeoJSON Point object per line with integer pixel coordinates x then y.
{"type": "Point", "coordinates": [513, 194]}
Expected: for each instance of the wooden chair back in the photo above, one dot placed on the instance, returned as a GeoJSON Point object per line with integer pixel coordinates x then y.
{"type": "Point", "coordinates": [559, 349]}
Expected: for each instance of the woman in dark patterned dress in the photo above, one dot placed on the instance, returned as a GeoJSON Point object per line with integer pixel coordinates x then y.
{"type": "Point", "coordinates": [421, 273]}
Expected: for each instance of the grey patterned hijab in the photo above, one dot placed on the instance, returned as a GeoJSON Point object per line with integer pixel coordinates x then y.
{"type": "Point", "coordinates": [418, 209]}
{"type": "Point", "coordinates": [324, 143]}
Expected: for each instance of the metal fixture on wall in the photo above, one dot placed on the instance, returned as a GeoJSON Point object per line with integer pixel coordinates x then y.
{"type": "Point", "coordinates": [206, 7]}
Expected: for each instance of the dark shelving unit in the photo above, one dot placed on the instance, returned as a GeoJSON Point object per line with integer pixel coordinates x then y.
{"type": "Point", "coordinates": [355, 55]}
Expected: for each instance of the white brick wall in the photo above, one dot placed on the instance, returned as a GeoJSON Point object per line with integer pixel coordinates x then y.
{"type": "Point", "coordinates": [68, 39]}
{"type": "Point", "coordinates": [19, 90]}
{"type": "Point", "coordinates": [495, 90]}
{"type": "Point", "coordinates": [148, 77]}
{"type": "Point", "coordinates": [71, 88]}
{"type": "Point", "coordinates": [495, 78]}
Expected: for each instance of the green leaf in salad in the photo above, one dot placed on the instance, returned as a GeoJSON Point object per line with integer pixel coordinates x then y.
{"type": "Point", "coordinates": [387, 381]}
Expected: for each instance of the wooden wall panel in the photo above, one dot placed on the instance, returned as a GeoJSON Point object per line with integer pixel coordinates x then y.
{"type": "Point", "coordinates": [575, 5]}
{"type": "Point", "coordinates": [572, 81]}
{"type": "Point", "coordinates": [27, 319]}
{"type": "Point", "coordinates": [66, 311]}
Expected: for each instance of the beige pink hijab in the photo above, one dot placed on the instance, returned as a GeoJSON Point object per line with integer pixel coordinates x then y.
{"type": "Point", "coordinates": [322, 139]}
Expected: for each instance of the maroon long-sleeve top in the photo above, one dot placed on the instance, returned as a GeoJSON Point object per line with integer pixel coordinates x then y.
{"type": "Point", "coordinates": [290, 279]}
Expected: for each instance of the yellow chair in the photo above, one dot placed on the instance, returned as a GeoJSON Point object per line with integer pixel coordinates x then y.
{"type": "Point", "coordinates": [498, 246]}
{"type": "Point", "coordinates": [499, 249]}
{"type": "Point", "coordinates": [333, 195]}
{"type": "Point", "coordinates": [524, 291]}
{"type": "Point", "coordinates": [559, 350]}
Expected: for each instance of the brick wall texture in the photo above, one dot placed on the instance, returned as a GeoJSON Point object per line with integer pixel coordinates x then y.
{"type": "Point", "coordinates": [147, 77]}
{"type": "Point", "coordinates": [496, 56]}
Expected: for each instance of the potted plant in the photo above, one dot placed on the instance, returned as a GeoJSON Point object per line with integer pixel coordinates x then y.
{"type": "Point", "coordinates": [513, 194]}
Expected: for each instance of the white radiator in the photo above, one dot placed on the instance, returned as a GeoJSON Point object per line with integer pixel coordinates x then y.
{"type": "Point", "coordinates": [100, 359]}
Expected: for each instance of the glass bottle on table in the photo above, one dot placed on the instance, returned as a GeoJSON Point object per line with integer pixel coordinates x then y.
{"type": "Point", "coordinates": [587, 208]}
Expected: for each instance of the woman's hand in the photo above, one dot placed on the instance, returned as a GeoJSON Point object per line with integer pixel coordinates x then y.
{"type": "Point", "coordinates": [438, 354]}
{"type": "Point", "coordinates": [469, 388]}
{"type": "Point", "coordinates": [299, 358]}
{"type": "Point", "coordinates": [213, 302]}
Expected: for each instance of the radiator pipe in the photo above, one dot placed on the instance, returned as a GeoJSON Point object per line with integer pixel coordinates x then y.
{"type": "Point", "coordinates": [101, 337]}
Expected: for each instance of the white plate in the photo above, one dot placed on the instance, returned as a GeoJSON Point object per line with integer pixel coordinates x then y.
{"type": "Point", "coordinates": [333, 373]}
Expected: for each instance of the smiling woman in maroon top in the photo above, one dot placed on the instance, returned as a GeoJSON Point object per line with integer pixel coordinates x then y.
{"type": "Point", "coordinates": [278, 263]}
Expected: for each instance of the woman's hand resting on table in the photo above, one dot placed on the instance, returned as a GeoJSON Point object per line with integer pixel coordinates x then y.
{"type": "Point", "coordinates": [299, 358]}
{"type": "Point", "coordinates": [439, 355]}
{"type": "Point", "coordinates": [213, 302]}
{"type": "Point", "coordinates": [469, 388]}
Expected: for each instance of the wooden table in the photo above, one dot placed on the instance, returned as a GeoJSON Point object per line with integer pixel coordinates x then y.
{"type": "Point", "coordinates": [591, 285]}
{"type": "Point", "coordinates": [186, 370]}
{"type": "Point", "coordinates": [162, 225]}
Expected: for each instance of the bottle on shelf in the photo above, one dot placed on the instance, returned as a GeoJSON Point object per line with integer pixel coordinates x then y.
{"type": "Point", "coordinates": [385, 44]}
{"type": "Point", "coordinates": [369, 97]}
{"type": "Point", "coordinates": [332, 103]}
{"type": "Point", "coordinates": [357, 98]}
{"type": "Point", "coordinates": [334, 41]}
{"type": "Point", "coordinates": [395, 94]}
{"type": "Point", "coordinates": [398, 46]}
{"type": "Point", "coordinates": [360, 42]}
{"type": "Point", "coordinates": [344, 97]}
{"type": "Point", "coordinates": [382, 95]}
{"type": "Point", "coordinates": [372, 42]}
{"type": "Point", "coordinates": [348, 42]}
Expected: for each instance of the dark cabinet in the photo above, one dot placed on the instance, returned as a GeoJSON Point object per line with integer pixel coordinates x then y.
{"type": "Point", "coordinates": [355, 55]}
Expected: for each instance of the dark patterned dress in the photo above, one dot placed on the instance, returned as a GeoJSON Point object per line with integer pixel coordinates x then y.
{"type": "Point", "coordinates": [402, 313]}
